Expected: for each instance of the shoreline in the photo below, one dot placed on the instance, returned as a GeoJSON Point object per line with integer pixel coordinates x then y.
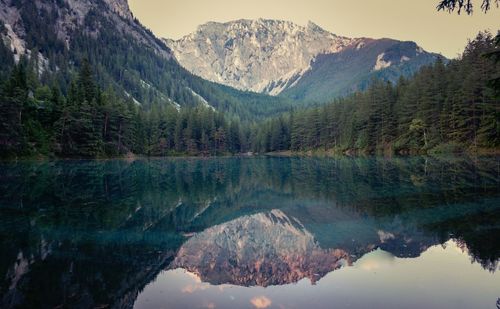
{"type": "Point", "coordinates": [278, 154]}
{"type": "Point", "coordinates": [363, 153]}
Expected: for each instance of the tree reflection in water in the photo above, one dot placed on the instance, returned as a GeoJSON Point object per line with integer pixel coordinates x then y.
{"type": "Point", "coordinates": [92, 233]}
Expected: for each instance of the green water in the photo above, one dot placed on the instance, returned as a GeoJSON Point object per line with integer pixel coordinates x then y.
{"type": "Point", "coordinates": [251, 233]}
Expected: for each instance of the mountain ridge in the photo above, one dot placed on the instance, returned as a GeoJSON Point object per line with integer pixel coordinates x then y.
{"type": "Point", "coordinates": [354, 68]}
{"type": "Point", "coordinates": [273, 56]}
{"type": "Point", "coordinates": [275, 38]}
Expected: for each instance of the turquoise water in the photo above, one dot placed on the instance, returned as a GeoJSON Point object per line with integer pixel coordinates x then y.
{"type": "Point", "coordinates": [414, 232]}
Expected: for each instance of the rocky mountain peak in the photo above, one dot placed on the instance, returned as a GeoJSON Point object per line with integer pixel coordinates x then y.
{"type": "Point", "coordinates": [311, 26]}
{"type": "Point", "coordinates": [259, 55]}
{"type": "Point", "coordinates": [279, 57]}
{"type": "Point", "coordinates": [120, 7]}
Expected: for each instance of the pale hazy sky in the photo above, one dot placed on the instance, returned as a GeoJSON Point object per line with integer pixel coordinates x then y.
{"type": "Point", "coordinates": [415, 20]}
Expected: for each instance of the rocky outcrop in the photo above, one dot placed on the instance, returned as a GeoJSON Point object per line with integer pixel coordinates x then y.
{"type": "Point", "coordinates": [121, 8]}
{"type": "Point", "coordinates": [274, 56]}
{"type": "Point", "coordinates": [258, 55]}
{"type": "Point", "coordinates": [70, 16]}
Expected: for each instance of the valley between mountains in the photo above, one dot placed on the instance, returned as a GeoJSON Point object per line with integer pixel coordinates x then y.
{"type": "Point", "coordinates": [87, 79]}
{"type": "Point", "coordinates": [252, 163]}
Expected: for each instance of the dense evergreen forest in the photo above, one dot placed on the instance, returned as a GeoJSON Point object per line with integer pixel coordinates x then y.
{"type": "Point", "coordinates": [445, 107]}
{"type": "Point", "coordinates": [38, 120]}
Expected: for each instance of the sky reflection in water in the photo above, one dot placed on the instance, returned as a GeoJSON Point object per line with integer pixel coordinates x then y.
{"type": "Point", "coordinates": [440, 278]}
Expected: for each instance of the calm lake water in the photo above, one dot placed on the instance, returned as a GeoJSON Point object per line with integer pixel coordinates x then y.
{"type": "Point", "coordinates": [251, 233]}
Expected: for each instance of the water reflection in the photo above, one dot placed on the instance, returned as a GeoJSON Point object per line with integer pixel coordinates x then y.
{"type": "Point", "coordinates": [95, 234]}
{"type": "Point", "coordinates": [263, 249]}
{"type": "Point", "coordinates": [377, 280]}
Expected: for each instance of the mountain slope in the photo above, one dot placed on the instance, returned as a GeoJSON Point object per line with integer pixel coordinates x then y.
{"type": "Point", "coordinates": [352, 69]}
{"type": "Point", "coordinates": [280, 57]}
{"type": "Point", "coordinates": [128, 57]}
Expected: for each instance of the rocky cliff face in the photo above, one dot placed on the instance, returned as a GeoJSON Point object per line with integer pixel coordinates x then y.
{"type": "Point", "coordinates": [272, 57]}
{"type": "Point", "coordinates": [66, 16]}
{"type": "Point", "coordinates": [120, 7]}
{"type": "Point", "coordinates": [258, 55]}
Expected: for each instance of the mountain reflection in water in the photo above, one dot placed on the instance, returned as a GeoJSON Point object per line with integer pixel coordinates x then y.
{"type": "Point", "coordinates": [262, 249]}
{"type": "Point", "coordinates": [251, 232]}
{"type": "Point", "coordinates": [377, 280]}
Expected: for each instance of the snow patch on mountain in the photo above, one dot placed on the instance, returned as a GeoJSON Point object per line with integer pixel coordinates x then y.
{"type": "Point", "coordinates": [287, 81]}
{"type": "Point", "coordinates": [146, 84]}
{"type": "Point", "coordinates": [133, 99]}
{"type": "Point", "coordinates": [201, 211]}
{"type": "Point", "coordinates": [381, 63]}
{"type": "Point", "coordinates": [202, 100]}
{"type": "Point", "coordinates": [176, 105]}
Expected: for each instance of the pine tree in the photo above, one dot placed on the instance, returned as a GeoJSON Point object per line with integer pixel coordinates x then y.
{"type": "Point", "coordinates": [12, 106]}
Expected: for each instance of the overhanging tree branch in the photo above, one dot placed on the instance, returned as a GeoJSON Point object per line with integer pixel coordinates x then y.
{"type": "Point", "coordinates": [465, 5]}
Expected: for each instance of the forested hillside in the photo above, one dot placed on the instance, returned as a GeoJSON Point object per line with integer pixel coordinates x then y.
{"type": "Point", "coordinates": [444, 108]}
{"type": "Point", "coordinates": [126, 57]}
{"type": "Point", "coordinates": [38, 120]}
{"type": "Point", "coordinates": [353, 69]}
{"type": "Point", "coordinates": [85, 79]}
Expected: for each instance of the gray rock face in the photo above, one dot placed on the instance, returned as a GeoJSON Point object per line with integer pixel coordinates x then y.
{"type": "Point", "coordinates": [70, 16]}
{"type": "Point", "coordinates": [120, 7]}
{"type": "Point", "coordinates": [259, 55]}
{"type": "Point", "coordinates": [282, 58]}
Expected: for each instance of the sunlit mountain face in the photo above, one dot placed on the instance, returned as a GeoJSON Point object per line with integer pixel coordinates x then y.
{"type": "Point", "coordinates": [304, 63]}
{"type": "Point", "coordinates": [250, 232]}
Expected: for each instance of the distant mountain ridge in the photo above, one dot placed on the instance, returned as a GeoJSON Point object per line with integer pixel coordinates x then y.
{"type": "Point", "coordinates": [278, 57]}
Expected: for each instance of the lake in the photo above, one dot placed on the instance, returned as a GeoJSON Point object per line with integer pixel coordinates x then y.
{"type": "Point", "coordinates": [417, 232]}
